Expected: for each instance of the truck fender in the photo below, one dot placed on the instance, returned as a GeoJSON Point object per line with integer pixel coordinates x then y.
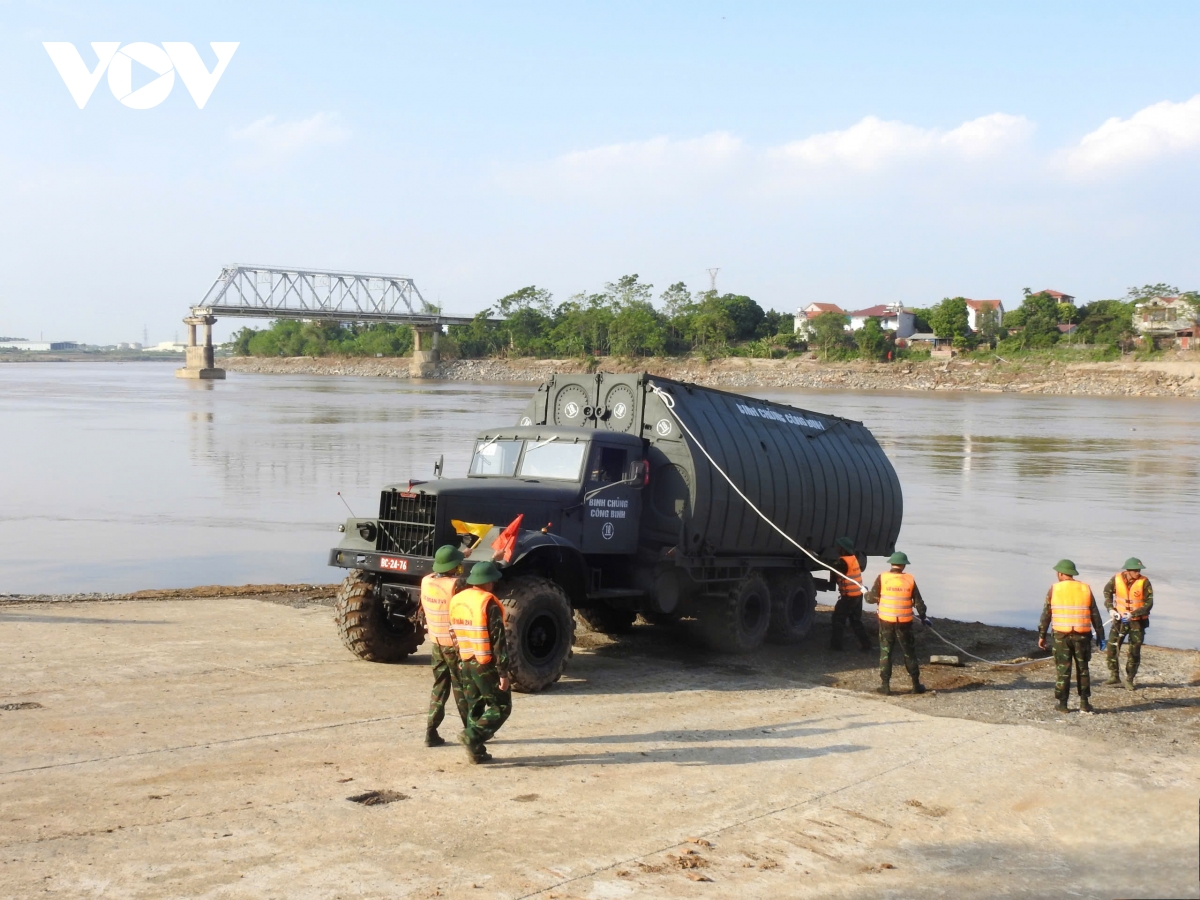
{"type": "Point", "coordinates": [556, 558]}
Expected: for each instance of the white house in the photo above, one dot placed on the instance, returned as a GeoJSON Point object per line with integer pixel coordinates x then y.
{"type": "Point", "coordinates": [891, 318]}
{"type": "Point", "coordinates": [975, 307]}
{"type": "Point", "coordinates": [810, 312]}
{"type": "Point", "coordinates": [1174, 317]}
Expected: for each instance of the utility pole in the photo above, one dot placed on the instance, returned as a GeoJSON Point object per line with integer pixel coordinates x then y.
{"type": "Point", "coordinates": [712, 279]}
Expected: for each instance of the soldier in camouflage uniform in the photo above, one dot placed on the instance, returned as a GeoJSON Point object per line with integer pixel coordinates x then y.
{"type": "Point", "coordinates": [898, 597]}
{"type": "Point", "coordinates": [477, 623]}
{"type": "Point", "coordinates": [1070, 609]}
{"type": "Point", "coordinates": [1130, 612]}
{"type": "Point", "coordinates": [849, 607]}
{"type": "Point", "coordinates": [436, 591]}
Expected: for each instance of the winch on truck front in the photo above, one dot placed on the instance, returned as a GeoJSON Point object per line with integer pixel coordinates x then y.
{"type": "Point", "coordinates": [621, 514]}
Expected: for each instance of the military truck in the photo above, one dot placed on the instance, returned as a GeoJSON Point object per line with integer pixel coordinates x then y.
{"type": "Point", "coordinates": [604, 501]}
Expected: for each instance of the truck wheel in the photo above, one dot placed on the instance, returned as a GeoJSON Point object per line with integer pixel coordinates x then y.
{"type": "Point", "coordinates": [540, 630]}
{"type": "Point", "coordinates": [793, 607]}
{"type": "Point", "coordinates": [363, 623]}
{"type": "Point", "coordinates": [606, 620]}
{"type": "Point", "coordinates": [737, 622]}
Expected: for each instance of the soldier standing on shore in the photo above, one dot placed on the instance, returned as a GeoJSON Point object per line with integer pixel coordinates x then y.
{"type": "Point", "coordinates": [436, 591]}
{"type": "Point", "coordinates": [849, 606]}
{"type": "Point", "coordinates": [1128, 596]}
{"type": "Point", "coordinates": [477, 623]}
{"type": "Point", "coordinates": [897, 594]}
{"type": "Point", "coordinates": [1071, 612]}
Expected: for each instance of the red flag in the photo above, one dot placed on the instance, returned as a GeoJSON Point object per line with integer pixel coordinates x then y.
{"type": "Point", "coordinates": [506, 543]}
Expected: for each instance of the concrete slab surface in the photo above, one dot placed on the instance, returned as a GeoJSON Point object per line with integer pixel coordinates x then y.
{"type": "Point", "coordinates": [207, 748]}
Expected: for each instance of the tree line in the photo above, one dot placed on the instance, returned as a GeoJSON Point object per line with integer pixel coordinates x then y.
{"type": "Point", "coordinates": [623, 320]}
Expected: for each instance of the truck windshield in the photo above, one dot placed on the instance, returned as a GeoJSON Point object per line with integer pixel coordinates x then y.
{"type": "Point", "coordinates": [495, 457]}
{"type": "Point", "coordinates": [553, 459]}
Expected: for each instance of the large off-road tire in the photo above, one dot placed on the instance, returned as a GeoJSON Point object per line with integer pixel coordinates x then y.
{"type": "Point", "coordinates": [606, 620]}
{"type": "Point", "coordinates": [363, 622]}
{"type": "Point", "coordinates": [737, 622]}
{"type": "Point", "coordinates": [793, 607]}
{"type": "Point", "coordinates": [540, 629]}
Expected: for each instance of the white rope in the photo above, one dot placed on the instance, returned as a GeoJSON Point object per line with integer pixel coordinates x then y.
{"type": "Point", "coordinates": [669, 403]}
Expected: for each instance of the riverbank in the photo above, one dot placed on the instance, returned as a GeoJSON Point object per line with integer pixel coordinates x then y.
{"type": "Point", "coordinates": [211, 743]}
{"type": "Point", "coordinates": [1171, 377]}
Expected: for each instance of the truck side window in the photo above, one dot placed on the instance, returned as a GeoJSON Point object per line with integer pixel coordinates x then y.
{"type": "Point", "coordinates": [608, 464]}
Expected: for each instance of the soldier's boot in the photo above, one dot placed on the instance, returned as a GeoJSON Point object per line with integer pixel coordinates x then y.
{"type": "Point", "coordinates": [918, 688]}
{"type": "Point", "coordinates": [1129, 686]}
{"type": "Point", "coordinates": [885, 687]}
{"type": "Point", "coordinates": [1113, 678]}
{"type": "Point", "coordinates": [433, 739]}
{"type": "Point", "coordinates": [1062, 704]}
{"type": "Point", "coordinates": [478, 756]}
{"type": "Point", "coordinates": [1085, 705]}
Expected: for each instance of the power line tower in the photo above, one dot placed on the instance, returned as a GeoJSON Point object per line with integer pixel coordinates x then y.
{"type": "Point", "coordinates": [712, 279]}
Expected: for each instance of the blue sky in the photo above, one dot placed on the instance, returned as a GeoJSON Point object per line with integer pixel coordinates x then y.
{"type": "Point", "coordinates": [859, 153]}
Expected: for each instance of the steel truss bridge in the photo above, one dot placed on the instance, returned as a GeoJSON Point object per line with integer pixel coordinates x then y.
{"type": "Point", "coordinates": [288, 293]}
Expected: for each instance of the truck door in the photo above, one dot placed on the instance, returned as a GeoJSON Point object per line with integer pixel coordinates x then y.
{"type": "Point", "coordinates": [612, 501]}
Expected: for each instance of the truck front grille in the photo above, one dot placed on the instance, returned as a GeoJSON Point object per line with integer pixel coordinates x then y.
{"type": "Point", "coordinates": [406, 524]}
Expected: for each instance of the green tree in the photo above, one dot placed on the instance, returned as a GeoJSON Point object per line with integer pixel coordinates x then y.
{"type": "Point", "coordinates": [527, 319]}
{"type": "Point", "coordinates": [829, 331]}
{"type": "Point", "coordinates": [1037, 319]}
{"type": "Point", "coordinates": [637, 329]}
{"type": "Point", "coordinates": [1147, 291]}
{"type": "Point", "coordinates": [949, 318]}
{"type": "Point", "coordinates": [987, 326]}
{"type": "Point", "coordinates": [873, 342]}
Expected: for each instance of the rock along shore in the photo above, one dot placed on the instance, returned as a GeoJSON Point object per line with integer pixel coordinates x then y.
{"type": "Point", "coordinates": [1166, 378]}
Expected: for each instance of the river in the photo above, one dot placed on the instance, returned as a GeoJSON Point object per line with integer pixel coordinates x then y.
{"type": "Point", "coordinates": [118, 476]}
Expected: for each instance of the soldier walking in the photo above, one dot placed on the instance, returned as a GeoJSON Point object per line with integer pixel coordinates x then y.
{"type": "Point", "coordinates": [477, 623]}
{"type": "Point", "coordinates": [1071, 612]}
{"type": "Point", "coordinates": [897, 594]}
{"type": "Point", "coordinates": [436, 591]}
{"type": "Point", "coordinates": [849, 606]}
{"type": "Point", "coordinates": [1128, 596]}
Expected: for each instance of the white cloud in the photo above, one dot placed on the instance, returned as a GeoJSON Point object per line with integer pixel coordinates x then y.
{"type": "Point", "coordinates": [273, 140]}
{"type": "Point", "coordinates": [1156, 131]}
{"type": "Point", "coordinates": [870, 144]}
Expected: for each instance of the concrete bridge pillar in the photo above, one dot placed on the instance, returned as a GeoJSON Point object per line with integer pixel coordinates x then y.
{"type": "Point", "coordinates": [425, 356]}
{"type": "Point", "coordinates": [199, 362]}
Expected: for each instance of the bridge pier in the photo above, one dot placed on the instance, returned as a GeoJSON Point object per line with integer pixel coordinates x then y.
{"type": "Point", "coordinates": [199, 361]}
{"type": "Point", "coordinates": [426, 355]}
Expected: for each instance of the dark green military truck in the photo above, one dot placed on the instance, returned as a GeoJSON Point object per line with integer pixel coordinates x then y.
{"type": "Point", "coordinates": [624, 510]}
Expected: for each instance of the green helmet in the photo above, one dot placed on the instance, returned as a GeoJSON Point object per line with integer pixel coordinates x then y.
{"type": "Point", "coordinates": [447, 559]}
{"type": "Point", "coordinates": [846, 544]}
{"type": "Point", "coordinates": [1133, 564]}
{"type": "Point", "coordinates": [1066, 567]}
{"type": "Point", "coordinates": [485, 572]}
{"type": "Point", "coordinates": [898, 559]}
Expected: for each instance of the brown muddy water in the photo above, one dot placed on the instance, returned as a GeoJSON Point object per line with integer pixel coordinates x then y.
{"type": "Point", "coordinates": [118, 477]}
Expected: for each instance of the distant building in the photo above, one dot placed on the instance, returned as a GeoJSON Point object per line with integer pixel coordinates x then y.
{"type": "Point", "coordinates": [167, 347]}
{"type": "Point", "coordinates": [810, 312]}
{"type": "Point", "coordinates": [1177, 318]}
{"type": "Point", "coordinates": [975, 307]}
{"type": "Point", "coordinates": [38, 346]}
{"type": "Point", "coordinates": [1058, 296]}
{"type": "Point", "coordinates": [891, 318]}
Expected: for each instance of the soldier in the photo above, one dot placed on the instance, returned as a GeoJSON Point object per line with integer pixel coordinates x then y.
{"type": "Point", "coordinates": [849, 606]}
{"type": "Point", "coordinates": [477, 623]}
{"type": "Point", "coordinates": [1130, 611]}
{"type": "Point", "coordinates": [897, 594]}
{"type": "Point", "coordinates": [436, 591]}
{"type": "Point", "coordinates": [1071, 612]}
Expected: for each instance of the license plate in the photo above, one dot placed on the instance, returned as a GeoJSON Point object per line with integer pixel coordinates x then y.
{"type": "Point", "coordinates": [396, 565]}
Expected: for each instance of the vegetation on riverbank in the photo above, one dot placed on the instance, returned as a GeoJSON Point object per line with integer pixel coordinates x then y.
{"type": "Point", "coordinates": [623, 320]}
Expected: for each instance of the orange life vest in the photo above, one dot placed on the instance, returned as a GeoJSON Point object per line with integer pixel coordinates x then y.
{"type": "Point", "coordinates": [436, 591]}
{"type": "Point", "coordinates": [1130, 596]}
{"type": "Point", "coordinates": [1071, 607]}
{"type": "Point", "coordinates": [895, 597]}
{"type": "Point", "coordinates": [853, 570]}
{"type": "Point", "coordinates": [468, 623]}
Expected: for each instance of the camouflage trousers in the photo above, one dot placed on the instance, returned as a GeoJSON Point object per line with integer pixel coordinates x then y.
{"type": "Point", "coordinates": [488, 707]}
{"type": "Point", "coordinates": [447, 680]}
{"type": "Point", "coordinates": [848, 611]}
{"type": "Point", "coordinates": [1135, 634]}
{"type": "Point", "coordinates": [1068, 647]}
{"type": "Point", "coordinates": [890, 634]}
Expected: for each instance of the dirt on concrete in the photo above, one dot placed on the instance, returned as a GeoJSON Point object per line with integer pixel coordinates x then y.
{"type": "Point", "coordinates": [233, 748]}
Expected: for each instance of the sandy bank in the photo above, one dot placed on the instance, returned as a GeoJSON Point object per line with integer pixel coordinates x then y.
{"type": "Point", "coordinates": [1166, 378]}
{"type": "Point", "coordinates": [211, 747]}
